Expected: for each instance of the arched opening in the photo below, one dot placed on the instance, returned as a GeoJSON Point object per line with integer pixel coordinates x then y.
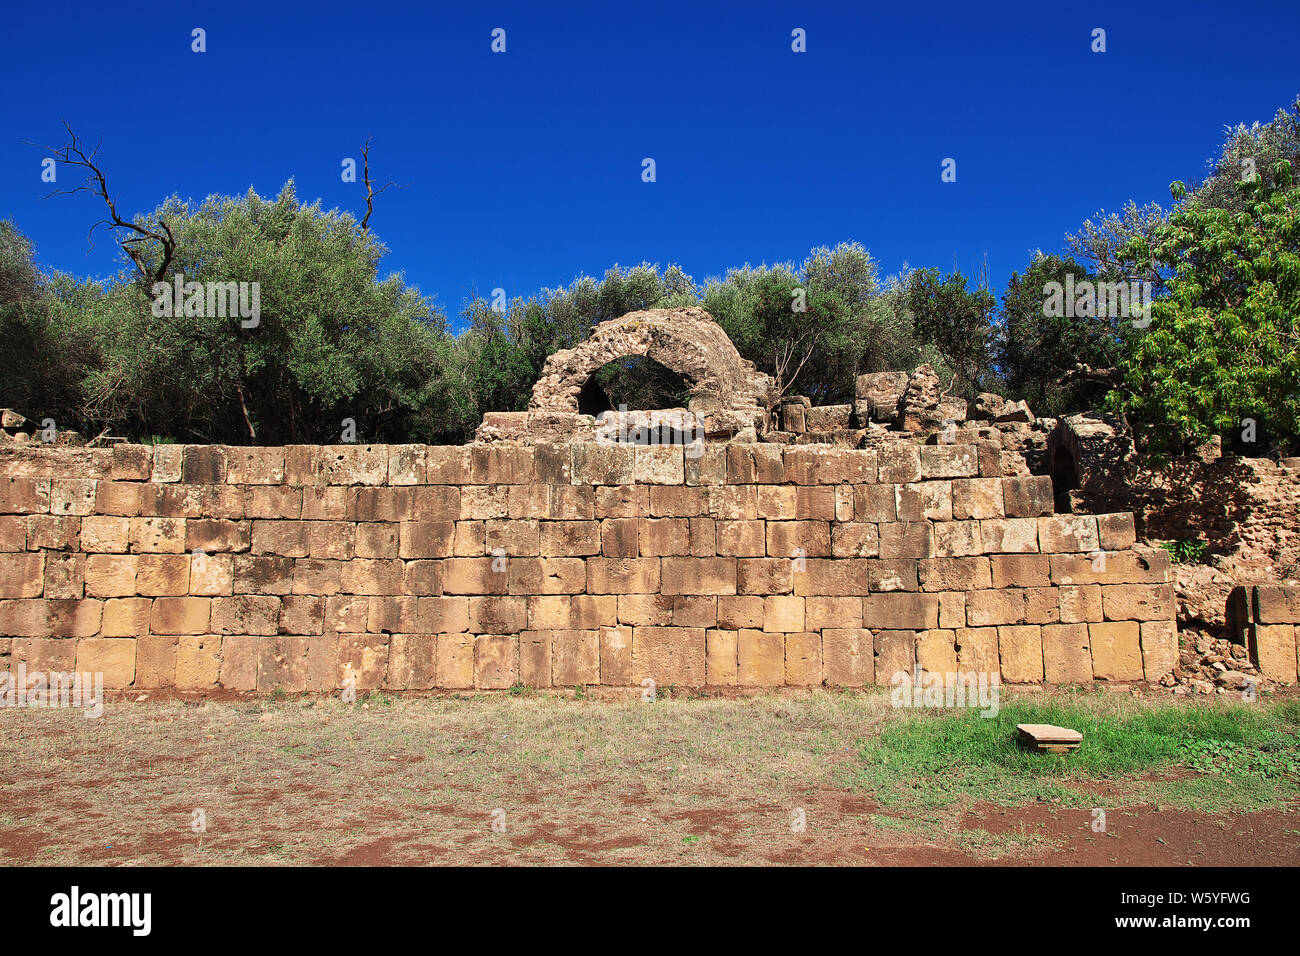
{"type": "Point", "coordinates": [635, 382]}
{"type": "Point", "coordinates": [1065, 478]}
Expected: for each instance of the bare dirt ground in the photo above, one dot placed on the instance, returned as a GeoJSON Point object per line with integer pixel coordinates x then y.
{"type": "Point", "coordinates": [528, 779]}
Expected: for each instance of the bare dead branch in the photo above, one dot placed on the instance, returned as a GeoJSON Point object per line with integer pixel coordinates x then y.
{"type": "Point", "coordinates": [72, 154]}
{"type": "Point", "coordinates": [371, 191]}
{"type": "Point", "coordinates": [1086, 373]}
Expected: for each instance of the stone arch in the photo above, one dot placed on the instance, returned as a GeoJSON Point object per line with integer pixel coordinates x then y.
{"type": "Point", "coordinates": [687, 341]}
{"type": "Point", "coordinates": [724, 388]}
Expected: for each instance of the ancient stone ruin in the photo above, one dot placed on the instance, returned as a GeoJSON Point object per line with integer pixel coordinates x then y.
{"type": "Point", "coordinates": [729, 400]}
{"type": "Point", "coordinates": [783, 546]}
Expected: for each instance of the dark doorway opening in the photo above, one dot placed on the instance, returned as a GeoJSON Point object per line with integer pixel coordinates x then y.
{"type": "Point", "coordinates": [635, 382]}
{"type": "Point", "coordinates": [1065, 478]}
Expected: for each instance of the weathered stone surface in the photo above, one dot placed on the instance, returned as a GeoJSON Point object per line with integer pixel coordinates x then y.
{"type": "Point", "coordinates": [1116, 651]}
{"type": "Point", "coordinates": [728, 398]}
{"type": "Point", "coordinates": [1067, 656]}
{"type": "Point", "coordinates": [880, 394]}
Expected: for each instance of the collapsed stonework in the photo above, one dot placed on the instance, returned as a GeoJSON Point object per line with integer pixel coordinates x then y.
{"type": "Point", "coordinates": [892, 407]}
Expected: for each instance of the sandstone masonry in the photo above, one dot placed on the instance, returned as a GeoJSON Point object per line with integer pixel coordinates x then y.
{"type": "Point", "coordinates": [413, 567]}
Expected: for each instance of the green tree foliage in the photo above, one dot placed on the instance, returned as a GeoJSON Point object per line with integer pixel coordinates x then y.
{"type": "Point", "coordinates": [1224, 345]}
{"type": "Point", "coordinates": [1102, 243]}
{"type": "Point", "coordinates": [333, 341]}
{"type": "Point", "coordinates": [1249, 150]}
{"type": "Point", "coordinates": [959, 323]}
{"type": "Point", "coordinates": [805, 326]}
{"type": "Point", "coordinates": [1039, 354]}
{"type": "Point", "coordinates": [45, 334]}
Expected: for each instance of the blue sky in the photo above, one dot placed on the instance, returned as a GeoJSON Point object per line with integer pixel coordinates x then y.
{"type": "Point", "coordinates": [525, 167]}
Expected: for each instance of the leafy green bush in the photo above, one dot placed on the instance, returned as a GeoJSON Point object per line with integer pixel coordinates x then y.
{"type": "Point", "coordinates": [1186, 550]}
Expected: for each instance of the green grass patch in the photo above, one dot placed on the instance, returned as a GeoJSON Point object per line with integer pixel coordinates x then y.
{"type": "Point", "coordinates": [933, 759]}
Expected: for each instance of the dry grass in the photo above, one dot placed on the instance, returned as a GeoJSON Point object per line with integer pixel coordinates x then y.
{"type": "Point", "coordinates": [417, 781]}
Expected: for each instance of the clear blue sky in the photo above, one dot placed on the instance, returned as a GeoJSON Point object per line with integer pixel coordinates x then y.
{"type": "Point", "coordinates": [525, 167]}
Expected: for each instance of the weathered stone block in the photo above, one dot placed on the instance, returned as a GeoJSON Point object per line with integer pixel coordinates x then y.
{"type": "Point", "coordinates": [1272, 647]}
{"type": "Point", "coordinates": [848, 658]}
{"type": "Point", "coordinates": [949, 461]}
{"type": "Point", "coordinates": [575, 657]}
{"type": "Point", "coordinates": [741, 538]}
{"type": "Point", "coordinates": [907, 539]}
{"type": "Point", "coordinates": [72, 496]}
{"type": "Point", "coordinates": [699, 576]}
{"type": "Point", "coordinates": [180, 615]}
{"type": "Point", "coordinates": [740, 611]}
{"type": "Point", "coordinates": [1116, 532]}
{"type": "Point", "coordinates": [1080, 603]}
{"type": "Point", "coordinates": [126, 617]}
{"type": "Point", "coordinates": [898, 462]}
{"type": "Point", "coordinates": [1138, 602]}
{"type": "Point", "coordinates": [806, 539]}
{"type": "Point", "coordinates": [957, 539]}
{"type": "Point", "coordinates": [1159, 649]}
{"type": "Point", "coordinates": [1067, 656]}
{"type": "Point", "coordinates": [1028, 496]}
{"type": "Point", "coordinates": [660, 465]}
{"type": "Point", "coordinates": [497, 615]}
{"type": "Point", "coordinates": [1116, 651]}
{"type": "Point", "coordinates": [362, 658]}
{"type": "Point", "coordinates": [924, 500]}
{"type": "Point", "coordinates": [245, 614]}
{"type": "Point", "coordinates": [900, 611]}
{"type": "Point", "coordinates": [974, 498]}
{"type": "Point", "coordinates": [155, 661]}
{"type": "Point", "coordinates": [106, 575]}
{"type": "Point", "coordinates": [1009, 535]}
{"type": "Point", "coordinates": [954, 574]}
{"type": "Point", "coordinates": [570, 538]}
{"type": "Point", "coordinates": [615, 653]}
{"type": "Point", "coordinates": [803, 659]}
{"type": "Point", "coordinates": [455, 661]}
{"type": "Point", "coordinates": [131, 462]}
{"type": "Point", "coordinates": [1068, 534]}
{"type": "Point", "coordinates": [202, 662]}
{"type": "Point", "coordinates": [977, 650]}
{"type": "Point", "coordinates": [412, 658]}
{"type": "Point", "coordinates": [1021, 571]}
{"type": "Point", "coordinates": [111, 656]}
{"type": "Point", "coordinates": [887, 576]}
{"type": "Point", "coordinates": [23, 576]}
{"type": "Point", "coordinates": [669, 655]}
{"type": "Point", "coordinates": [622, 575]}
{"type": "Point", "coordinates": [895, 655]}
{"type": "Point", "coordinates": [1134, 567]}
{"type": "Point", "coordinates": [1020, 651]}
{"type": "Point", "coordinates": [755, 464]}
{"type": "Point", "coordinates": [535, 658]}
{"type": "Point", "coordinates": [496, 661]}
{"type": "Point", "coordinates": [987, 608]}
{"type": "Point", "coordinates": [760, 658]}
{"type": "Point", "coordinates": [604, 464]}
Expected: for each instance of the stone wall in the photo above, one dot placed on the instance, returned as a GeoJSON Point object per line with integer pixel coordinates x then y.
{"type": "Point", "coordinates": [1266, 619]}
{"type": "Point", "coordinates": [419, 567]}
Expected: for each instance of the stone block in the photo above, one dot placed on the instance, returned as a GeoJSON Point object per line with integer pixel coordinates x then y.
{"type": "Point", "coordinates": [1020, 651]}
{"type": "Point", "coordinates": [760, 658]}
{"type": "Point", "coordinates": [496, 661]}
{"type": "Point", "coordinates": [1116, 651]}
{"type": "Point", "coordinates": [1067, 656]}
